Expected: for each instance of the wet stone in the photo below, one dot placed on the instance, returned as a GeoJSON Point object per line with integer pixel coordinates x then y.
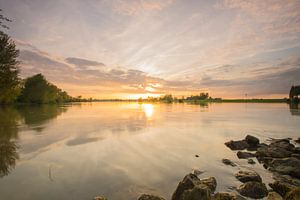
{"type": "Point", "coordinates": [150, 197]}
{"type": "Point", "coordinates": [237, 145]}
{"type": "Point", "coordinates": [251, 161]}
{"type": "Point", "coordinates": [246, 176]}
{"type": "Point", "coordinates": [244, 155]}
{"type": "Point", "coordinates": [228, 162]}
{"type": "Point", "coordinates": [252, 189]}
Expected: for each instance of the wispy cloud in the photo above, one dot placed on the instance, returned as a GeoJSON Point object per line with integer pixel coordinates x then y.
{"type": "Point", "coordinates": [134, 7]}
{"type": "Point", "coordinates": [155, 46]}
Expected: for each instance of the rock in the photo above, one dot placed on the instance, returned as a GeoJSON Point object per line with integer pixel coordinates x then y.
{"type": "Point", "coordinates": [289, 166]}
{"type": "Point", "coordinates": [188, 182]}
{"type": "Point", "coordinates": [227, 196]}
{"type": "Point", "coordinates": [297, 150]}
{"type": "Point", "coordinates": [210, 182]}
{"type": "Point", "coordinates": [286, 179]}
{"type": "Point", "coordinates": [228, 162]}
{"type": "Point", "coordinates": [281, 187]}
{"type": "Point", "coordinates": [251, 161]}
{"type": "Point", "coordinates": [274, 196]}
{"type": "Point", "coordinates": [99, 198]}
{"type": "Point", "coordinates": [244, 155]}
{"type": "Point", "coordinates": [246, 176]}
{"type": "Point", "coordinates": [197, 156]}
{"type": "Point", "coordinates": [191, 186]}
{"type": "Point", "coordinates": [253, 189]}
{"type": "Point", "coordinates": [273, 152]}
{"type": "Point", "coordinates": [252, 141]}
{"type": "Point", "coordinates": [199, 192]}
{"type": "Point", "coordinates": [296, 155]}
{"type": "Point", "coordinates": [237, 145]}
{"type": "Point", "coordinates": [284, 144]}
{"type": "Point", "coordinates": [298, 140]}
{"type": "Point", "coordinates": [197, 172]}
{"type": "Point", "coordinates": [150, 197]}
{"type": "Point", "coordinates": [294, 194]}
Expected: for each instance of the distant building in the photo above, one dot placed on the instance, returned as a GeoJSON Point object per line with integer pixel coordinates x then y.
{"type": "Point", "coordinates": [294, 92]}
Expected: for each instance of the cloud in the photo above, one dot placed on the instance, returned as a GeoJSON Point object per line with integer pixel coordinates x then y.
{"type": "Point", "coordinates": [134, 7]}
{"type": "Point", "coordinates": [83, 63]}
{"type": "Point", "coordinates": [257, 80]}
{"type": "Point", "coordinates": [74, 73]}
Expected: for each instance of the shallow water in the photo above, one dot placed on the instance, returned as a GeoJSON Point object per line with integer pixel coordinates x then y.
{"type": "Point", "coordinates": [120, 150]}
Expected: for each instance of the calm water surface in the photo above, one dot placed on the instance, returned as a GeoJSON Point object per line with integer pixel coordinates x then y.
{"type": "Point", "coordinates": [121, 150]}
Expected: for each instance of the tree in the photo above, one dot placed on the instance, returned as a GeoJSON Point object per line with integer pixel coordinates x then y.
{"type": "Point", "coordinates": [9, 81]}
{"type": "Point", "coordinates": [3, 19]}
{"type": "Point", "coordinates": [38, 90]}
{"type": "Point", "coordinates": [168, 98]}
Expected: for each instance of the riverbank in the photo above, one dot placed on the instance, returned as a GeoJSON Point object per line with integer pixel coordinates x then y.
{"type": "Point", "coordinates": [280, 156]}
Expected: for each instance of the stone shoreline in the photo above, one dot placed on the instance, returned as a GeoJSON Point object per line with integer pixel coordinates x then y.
{"type": "Point", "coordinates": [280, 156]}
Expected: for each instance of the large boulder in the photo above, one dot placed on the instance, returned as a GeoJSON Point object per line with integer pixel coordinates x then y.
{"type": "Point", "coordinates": [199, 192]}
{"type": "Point", "coordinates": [284, 144]}
{"type": "Point", "coordinates": [246, 176]}
{"type": "Point", "coordinates": [191, 186]}
{"type": "Point", "coordinates": [294, 194]}
{"type": "Point", "coordinates": [210, 182]}
{"type": "Point", "coordinates": [297, 150]}
{"type": "Point", "coordinates": [274, 196]}
{"type": "Point", "coordinates": [253, 189]}
{"type": "Point", "coordinates": [227, 196]}
{"type": "Point", "coordinates": [237, 145]}
{"type": "Point", "coordinates": [188, 182]}
{"type": "Point", "coordinates": [252, 141]}
{"type": "Point", "coordinates": [245, 155]}
{"type": "Point", "coordinates": [273, 152]}
{"type": "Point", "coordinates": [281, 187]}
{"type": "Point", "coordinates": [150, 197]}
{"type": "Point", "coordinates": [289, 166]}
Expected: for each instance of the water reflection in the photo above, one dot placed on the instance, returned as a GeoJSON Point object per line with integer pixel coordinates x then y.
{"type": "Point", "coordinates": [294, 109]}
{"type": "Point", "coordinates": [11, 119]}
{"type": "Point", "coordinates": [36, 116]}
{"type": "Point", "coordinates": [148, 109]}
{"type": "Point", "coordinates": [120, 150]}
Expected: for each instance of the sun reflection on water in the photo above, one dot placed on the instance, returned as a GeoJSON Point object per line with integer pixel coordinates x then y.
{"type": "Point", "coordinates": [148, 109]}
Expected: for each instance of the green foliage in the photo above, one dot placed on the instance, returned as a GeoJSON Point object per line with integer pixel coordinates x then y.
{"type": "Point", "coordinates": [202, 96]}
{"type": "Point", "coordinates": [9, 81]}
{"type": "Point", "coordinates": [168, 98]}
{"type": "Point", "coordinates": [38, 90]}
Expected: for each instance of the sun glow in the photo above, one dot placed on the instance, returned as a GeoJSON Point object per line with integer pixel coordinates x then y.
{"type": "Point", "coordinates": [143, 96]}
{"type": "Point", "coordinates": [148, 109]}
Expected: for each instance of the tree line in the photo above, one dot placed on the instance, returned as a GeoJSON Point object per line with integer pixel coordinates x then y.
{"type": "Point", "coordinates": [35, 89]}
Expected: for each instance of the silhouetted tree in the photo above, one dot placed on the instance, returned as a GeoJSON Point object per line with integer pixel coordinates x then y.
{"type": "Point", "coordinates": [3, 19]}
{"type": "Point", "coordinates": [168, 98]}
{"type": "Point", "coordinates": [9, 81]}
{"type": "Point", "coordinates": [202, 96]}
{"type": "Point", "coordinates": [38, 90]}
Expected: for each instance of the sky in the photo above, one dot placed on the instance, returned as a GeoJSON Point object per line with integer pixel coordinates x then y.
{"type": "Point", "coordinates": [138, 48]}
